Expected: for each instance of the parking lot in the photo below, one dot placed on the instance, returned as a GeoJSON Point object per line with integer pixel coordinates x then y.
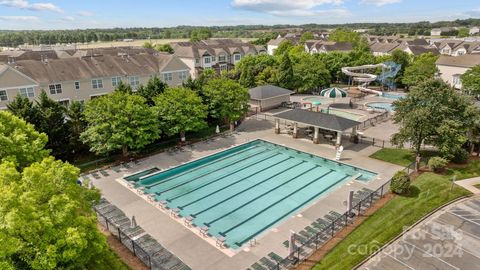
{"type": "Point", "coordinates": [449, 239]}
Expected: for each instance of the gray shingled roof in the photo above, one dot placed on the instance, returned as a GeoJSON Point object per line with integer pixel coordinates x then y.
{"type": "Point", "coordinates": [318, 119]}
{"type": "Point", "coordinates": [466, 60]}
{"type": "Point", "coordinates": [268, 91]}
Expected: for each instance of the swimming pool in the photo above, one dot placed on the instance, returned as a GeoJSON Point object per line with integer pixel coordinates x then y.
{"type": "Point", "coordinates": [382, 105]}
{"type": "Point", "coordinates": [392, 96]}
{"type": "Point", "coordinates": [344, 114]}
{"type": "Point", "coordinates": [241, 192]}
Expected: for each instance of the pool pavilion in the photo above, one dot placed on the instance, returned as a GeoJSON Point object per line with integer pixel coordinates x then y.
{"type": "Point", "coordinates": [314, 124]}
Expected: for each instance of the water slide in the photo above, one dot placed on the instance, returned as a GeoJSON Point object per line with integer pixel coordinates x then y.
{"type": "Point", "coordinates": [390, 70]}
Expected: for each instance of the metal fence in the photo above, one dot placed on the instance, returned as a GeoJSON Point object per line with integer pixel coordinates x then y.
{"type": "Point", "coordinates": [141, 244]}
{"type": "Point", "coordinates": [302, 252]}
{"type": "Point", "coordinates": [371, 122]}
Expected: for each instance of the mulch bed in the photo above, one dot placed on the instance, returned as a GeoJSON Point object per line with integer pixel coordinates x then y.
{"type": "Point", "coordinates": [122, 252]}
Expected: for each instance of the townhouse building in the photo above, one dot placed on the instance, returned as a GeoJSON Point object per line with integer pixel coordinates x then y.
{"type": "Point", "coordinates": [217, 54]}
{"type": "Point", "coordinates": [85, 77]}
{"type": "Point", "coordinates": [451, 68]}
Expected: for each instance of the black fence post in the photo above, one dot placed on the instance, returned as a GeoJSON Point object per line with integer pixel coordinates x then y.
{"type": "Point", "coordinates": [133, 248]}
{"type": "Point", "coordinates": [149, 261]}
{"type": "Point", "coordinates": [381, 191]}
{"type": "Point", "coordinates": [119, 234]}
{"type": "Point", "coordinates": [106, 222]}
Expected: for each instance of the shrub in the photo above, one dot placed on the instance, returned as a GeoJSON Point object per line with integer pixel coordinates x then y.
{"type": "Point", "coordinates": [460, 157]}
{"type": "Point", "coordinates": [400, 183]}
{"type": "Point", "coordinates": [437, 164]}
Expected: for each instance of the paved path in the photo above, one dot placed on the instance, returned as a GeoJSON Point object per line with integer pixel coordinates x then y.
{"type": "Point", "coordinates": [468, 184]}
{"type": "Point", "coordinates": [449, 239]}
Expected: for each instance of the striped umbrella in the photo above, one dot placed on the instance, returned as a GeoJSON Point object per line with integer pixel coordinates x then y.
{"type": "Point", "coordinates": [333, 92]}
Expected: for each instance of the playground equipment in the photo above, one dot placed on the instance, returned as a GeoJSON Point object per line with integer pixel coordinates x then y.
{"type": "Point", "coordinates": [386, 78]}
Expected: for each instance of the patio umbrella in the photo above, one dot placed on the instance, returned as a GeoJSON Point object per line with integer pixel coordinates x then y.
{"type": "Point", "coordinates": [333, 92]}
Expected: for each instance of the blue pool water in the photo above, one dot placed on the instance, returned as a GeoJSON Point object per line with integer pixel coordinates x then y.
{"type": "Point", "coordinates": [382, 105]}
{"type": "Point", "coordinates": [241, 192]}
{"type": "Point", "coordinates": [392, 96]}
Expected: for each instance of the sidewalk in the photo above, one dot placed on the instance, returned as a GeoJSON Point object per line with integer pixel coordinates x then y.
{"type": "Point", "coordinates": [468, 184]}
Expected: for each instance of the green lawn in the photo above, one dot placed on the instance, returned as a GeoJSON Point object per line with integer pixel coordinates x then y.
{"type": "Point", "coordinates": [477, 186]}
{"type": "Point", "coordinates": [402, 157]}
{"type": "Point", "coordinates": [472, 169]}
{"type": "Point", "coordinates": [429, 191]}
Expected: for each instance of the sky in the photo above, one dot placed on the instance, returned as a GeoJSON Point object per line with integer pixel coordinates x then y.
{"type": "Point", "coordinates": [75, 14]}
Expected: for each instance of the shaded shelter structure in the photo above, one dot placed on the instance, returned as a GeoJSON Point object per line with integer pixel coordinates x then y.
{"type": "Point", "coordinates": [267, 97]}
{"type": "Point", "coordinates": [319, 121]}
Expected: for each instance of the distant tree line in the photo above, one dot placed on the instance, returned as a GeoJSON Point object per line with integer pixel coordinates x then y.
{"type": "Point", "coordinates": [15, 38]}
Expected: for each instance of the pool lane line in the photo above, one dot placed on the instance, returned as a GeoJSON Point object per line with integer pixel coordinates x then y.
{"type": "Point", "coordinates": [221, 168]}
{"type": "Point", "coordinates": [263, 194]}
{"type": "Point", "coordinates": [286, 214]}
{"type": "Point", "coordinates": [230, 163]}
{"type": "Point", "coordinates": [216, 180]}
{"type": "Point", "coordinates": [255, 185]}
{"type": "Point", "coordinates": [233, 154]}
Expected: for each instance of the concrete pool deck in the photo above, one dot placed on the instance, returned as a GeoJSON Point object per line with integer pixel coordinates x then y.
{"type": "Point", "coordinates": [198, 253]}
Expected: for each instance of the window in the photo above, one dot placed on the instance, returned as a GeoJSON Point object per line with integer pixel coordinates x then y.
{"type": "Point", "coordinates": [27, 92]}
{"type": "Point", "coordinates": [64, 102]}
{"type": "Point", "coordinates": [116, 81]}
{"type": "Point", "coordinates": [55, 88]}
{"type": "Point", "coordinates": [183, 75]}
{"type": "Point", "coordinates": [197, 61]}
{"type": "Point", "coordinates": [97, 83]}
{"type": "Point", "coordinates": [221, 58]}
{"type": "Point", "coordinates": [237, 57]}
{"type": "Point", "coordinates": [167, 77]}
{"type": "Point", "coordinates": [213, 58]}
{"type": "Point", "coordinates": [3, 95]}
{"type": "Point", "coordinates": [206, 60]}
{"type": "Point", "coordinates": [223, 67]}
{"type": "Point", "coordinates": [77, 85]}
{"type": "Point", "coordinates": [134, 81]}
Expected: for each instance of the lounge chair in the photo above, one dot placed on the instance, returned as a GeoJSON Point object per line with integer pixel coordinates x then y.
{"type": "Point", "coordinates": [257, 266]}
{"type": "Point", "coordinates": [268, 263]}
{"type": "Point", "coordinates": [104, 173]}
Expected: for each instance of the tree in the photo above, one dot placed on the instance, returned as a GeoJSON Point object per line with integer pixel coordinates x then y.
{"type": "Point", "coordinates": [123, 88]}
{"type": "Point", "coordinates": [284, 47]}
{"type": "Point", "coordinates": [154, 87]}
{"type": "Point", "coordinates": [421, 69]}
{"type": "Point", "coordinates": [306, 36]}
{"type": "Point", "coordinates": [20, 143]}
{"type": "Point", "coordinates": [310, 73]}
{"type": "Point", "coordinates": [434, 113]}
{"type": "Point", "coordinates": [471, 81]}
{"type": "Point", "coordinates": [402, 58]}
{"type": "Point", "coordinates": [24, 108]}
{"type": "Point", "coordinates": [148, 45]}
{"type": "Point", "coordinates": [52, 122]}
{"type": "Point", "coordinates": [47, 219]}
{"type": "Point", "coordinates": [347, 35]}
{"type": "Point", "coordinates": [463, 32]}
{"type": "Point", "coordinates": [180, 110]}
{"type": "Point", "coordinates": [227, 100]}
{"type": "Point", "coordinates": [200, 34]}
{"type": "Point", "coordinates": [76, 125]}
{"type": "Point", "coordinates": [334, 62]}
{"type": "Point", "coordinates": [285, 72]}
{"type": "Point", "coordinates": [164, 48]}
{"type": "Point", "coordinates": [119, 121]}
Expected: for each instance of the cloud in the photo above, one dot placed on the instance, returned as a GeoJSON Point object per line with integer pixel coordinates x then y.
{"type": "Point", "coordinates": [85, 13]}
{"type": "Point", "coordinates": [380, 2]}
{"type": "Point", "coordinates": [473, 12]}
{"type": "Point", "coordinates": [298, 8]}
{"type": "Point", "coordinates": [23, 4]}
{"type": "Point", "coordinates": [18, 18]}
{"type": "Point", "coordinates": [68, 19]}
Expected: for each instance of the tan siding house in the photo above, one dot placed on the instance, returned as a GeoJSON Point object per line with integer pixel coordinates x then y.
{"type": "Point", "coordinates": [451, 68]}
{"type": "Point", "coordinates": [83, 78]}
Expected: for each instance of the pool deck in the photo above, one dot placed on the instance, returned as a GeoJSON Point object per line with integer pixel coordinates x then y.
{"type": "Point", "coordinates": [198, 253]}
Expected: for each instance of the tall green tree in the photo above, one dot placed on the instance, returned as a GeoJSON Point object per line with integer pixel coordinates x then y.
{"type": "Point", "coordinates": [310, 73]}
{"type": "Point", "coordinates": [285, 72]}
{"type": "Point", "coordinates": [471, 81]}
{"type": "Point", "coordinates": [180, 110]}
{"type": "Point", "coordinates": [164, 48]}
{"type": "Point", "coordinates": [123, 88]}
{"type": "Point", "coordinates": [154, 87]}
{"type": "Point", "coordinates": [306, 36]}
{"type": "Point", "coordinates": [227, 100]}
{"type": "Point", "coordinates": [436, 114]}
{"type": "Point", "coordinates": [20, 143]}
{"type": "Point", "coordinates": [284, 47]}
{"type": "Point", "coordinates": [422, 68]}
{"type": "Point", "coordinates": [76, 125]}
{"type": "Point", "coordinates": [47, 219]}
{"type": "Point", "coordinates": [402, 58]}
{"type": "Point", "coordinates": [119, 121]}
{"type": "Point", "coordinates": [52, 122]}
{"type": "Point", "coordinates": [25, 109]}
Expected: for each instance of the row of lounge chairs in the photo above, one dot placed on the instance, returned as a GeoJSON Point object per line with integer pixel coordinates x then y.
{"type": "Point", "coordinates": [143, 245]}
{"type": "Point", "coordinates": [321, 228]}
